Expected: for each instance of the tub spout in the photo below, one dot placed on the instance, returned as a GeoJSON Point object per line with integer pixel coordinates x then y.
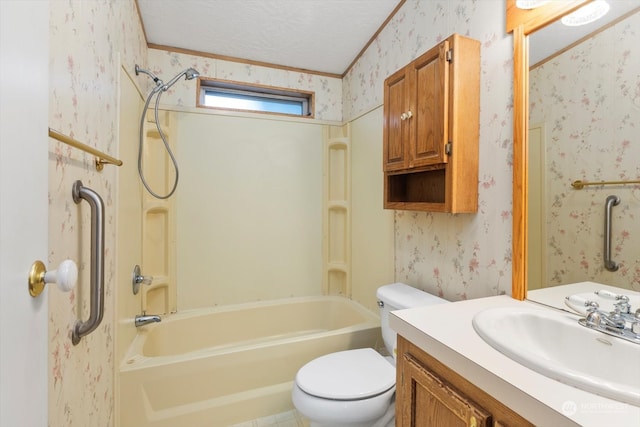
{"type": "Point", "coordinates": [145, 319]}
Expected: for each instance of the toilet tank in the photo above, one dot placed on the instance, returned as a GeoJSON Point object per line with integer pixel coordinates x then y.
{"type": "Point", "coordinates": [398, 296]}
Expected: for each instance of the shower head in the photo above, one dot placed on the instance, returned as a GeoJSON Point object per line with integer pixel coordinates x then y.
{"type": "Point", "coordinates": [188, 74]}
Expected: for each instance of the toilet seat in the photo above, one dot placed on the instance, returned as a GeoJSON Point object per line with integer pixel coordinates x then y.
{"type": "Point", "coordinates": [347, 375]}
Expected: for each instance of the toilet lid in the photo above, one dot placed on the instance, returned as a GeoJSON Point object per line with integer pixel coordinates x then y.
{"type": "Point", "coordinates": [347, 375]}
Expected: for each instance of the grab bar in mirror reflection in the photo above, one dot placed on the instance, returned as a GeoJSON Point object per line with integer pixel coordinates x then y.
{"type": "Point", "coordinates": [611, 201]}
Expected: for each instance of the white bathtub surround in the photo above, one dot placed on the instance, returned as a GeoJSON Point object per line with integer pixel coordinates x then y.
{"type": "Point", "coordinates": [539, 399]}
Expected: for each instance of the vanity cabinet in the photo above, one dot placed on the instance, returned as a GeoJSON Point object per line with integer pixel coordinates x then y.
{"type": "Point", "coordinates": [428, 393]}
{"type": "Point", "coordinates": [431, 130]}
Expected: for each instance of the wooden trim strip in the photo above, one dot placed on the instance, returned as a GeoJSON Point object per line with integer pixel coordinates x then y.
{"type": "Point", "coordinates": [240, 60]}
{"type": "Point", "coordinates": [144, 31]}
{"type": "Point", "coordinates": [520, 175]}
{"type": "Point", "coordinates": [372, 39]}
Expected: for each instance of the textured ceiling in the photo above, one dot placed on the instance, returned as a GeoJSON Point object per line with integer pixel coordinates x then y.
{"type": "Point", "coordinates": [316, 35]}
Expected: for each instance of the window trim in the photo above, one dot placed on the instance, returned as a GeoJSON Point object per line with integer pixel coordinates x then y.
{"type": "Point", "coordinates": [272, 92]}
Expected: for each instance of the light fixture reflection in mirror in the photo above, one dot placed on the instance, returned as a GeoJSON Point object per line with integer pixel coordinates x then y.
{"type": "Point", "coordinates": [530, 4]}
{"type": "Point", "coordinates": [587, 14]}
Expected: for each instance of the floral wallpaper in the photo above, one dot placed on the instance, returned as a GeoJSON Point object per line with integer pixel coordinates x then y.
{"type": "Point", "coordinates": [88, 42]}
{"type": "Point", "coordinates": [592, 124]}
{"type": "Point", "coordinates": [328, 90]}
{"type": "Point", "coordinates": [457, 256]}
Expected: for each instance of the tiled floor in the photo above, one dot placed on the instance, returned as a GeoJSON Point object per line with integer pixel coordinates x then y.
{"type": "Point", "coordinates": [285, 419]}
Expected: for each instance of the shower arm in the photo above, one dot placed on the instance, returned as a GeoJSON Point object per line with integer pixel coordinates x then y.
{"type": "Point", "coordinates": [173, 81]}
{"type": "Point", "coordinates": [188, 74]}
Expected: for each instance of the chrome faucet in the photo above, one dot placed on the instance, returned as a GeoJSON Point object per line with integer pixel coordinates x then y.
{"type": "Point", "coordinates": [620, 322]}
{"type": "Point", "coordinates": [145, 319]}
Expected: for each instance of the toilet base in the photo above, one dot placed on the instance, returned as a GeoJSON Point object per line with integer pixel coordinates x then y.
{"type": "Point", "coordinates": [387, 420]}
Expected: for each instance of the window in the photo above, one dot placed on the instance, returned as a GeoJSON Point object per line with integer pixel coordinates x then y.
{"type": "Point", "coordinates": [244, 97]}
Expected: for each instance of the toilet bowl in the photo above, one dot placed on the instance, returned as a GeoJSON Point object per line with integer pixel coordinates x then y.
{"type": "Point", "coordinates": [356, 388]}
{"type": "Point", "coordinates": [349, 388]}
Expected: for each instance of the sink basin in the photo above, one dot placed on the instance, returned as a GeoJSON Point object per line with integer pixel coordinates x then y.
{"type": "Point", "coordinates": [555, 345]}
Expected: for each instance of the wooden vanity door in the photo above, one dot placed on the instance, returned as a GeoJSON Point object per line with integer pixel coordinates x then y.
{"type": "Point", "coordinates": [430, 401]}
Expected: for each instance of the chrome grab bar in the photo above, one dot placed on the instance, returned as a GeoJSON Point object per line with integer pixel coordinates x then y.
{"type": "Point", "coordinates": [81, 328]}
{"type": "Point", "coordinates": [609, 264]}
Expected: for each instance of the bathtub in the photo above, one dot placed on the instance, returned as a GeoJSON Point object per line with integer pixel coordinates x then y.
{"type": "Point", "coordinates": [221, 366]}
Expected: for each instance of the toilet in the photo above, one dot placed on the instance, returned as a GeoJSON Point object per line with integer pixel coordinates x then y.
{"type": "Point", "coordinates": [356, 388]}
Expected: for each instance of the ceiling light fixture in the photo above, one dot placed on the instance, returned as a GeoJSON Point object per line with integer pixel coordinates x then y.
{"type": "Point", "coordinates": [587, 13]}
{"type": "Point", "coordinates": [530, 4]}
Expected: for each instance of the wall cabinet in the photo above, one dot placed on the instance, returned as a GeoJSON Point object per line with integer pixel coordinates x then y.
{"type": "Point", "coordinates": [428, 393]}
{"type": "Point", "coordinates": [431, 130]}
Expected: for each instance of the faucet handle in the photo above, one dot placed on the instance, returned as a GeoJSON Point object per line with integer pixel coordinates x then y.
{"type": "Point", "coordinates": [137, 278]}
{"type": "Point", "coordinates": [611, 295]}
{"type": "Point", "coordinates": [580, 305]}
{"type": "Point", "coordinates": [622, 305]}
{"type": "Point", "coordinates": [593, 318]}
{"type": "Point", "coordinates": [145, 280]}
{"type": "Point", "coordinates": [635, 323]}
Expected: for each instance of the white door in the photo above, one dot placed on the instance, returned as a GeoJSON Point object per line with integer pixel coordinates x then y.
{"type": "Point", "coordinates": [24, 102]}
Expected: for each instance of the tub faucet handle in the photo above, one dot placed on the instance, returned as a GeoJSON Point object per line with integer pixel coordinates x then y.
{"type": "Point", "coordinates": [137, 279]}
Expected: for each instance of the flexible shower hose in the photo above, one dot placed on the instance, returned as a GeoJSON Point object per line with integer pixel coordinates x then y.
{"type": "Point", "coordinates": [158, 90]}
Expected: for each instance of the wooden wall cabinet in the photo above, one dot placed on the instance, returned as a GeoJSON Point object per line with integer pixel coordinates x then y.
{"type": "Point", "coordinates": [431, 130]}
{"type": "Point", "coordinates": [428, 393]}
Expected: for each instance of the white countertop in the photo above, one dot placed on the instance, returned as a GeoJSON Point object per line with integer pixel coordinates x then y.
{"type": "Point", "coordinates": [445, 331]}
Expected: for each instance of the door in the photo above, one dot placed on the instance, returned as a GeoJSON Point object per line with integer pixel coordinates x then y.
{"type": "Point", "coordinates": [429, 400]}
{"type": "Point", "coordinates": [396, 124]}
{"type": "Point", "coordinates": [24, 89]}
{"type": "Point", "coordinates": [430, 121]}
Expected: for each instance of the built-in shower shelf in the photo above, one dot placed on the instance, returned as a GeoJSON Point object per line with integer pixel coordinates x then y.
{"type": "Point", "coordinates": [152, 132]}
{"type": "Point", "coordinates": [158, 221]}
{"type": "Point", "coordinates": [338, 205]}
{"type": "Point", "coordinates": [337, 211]}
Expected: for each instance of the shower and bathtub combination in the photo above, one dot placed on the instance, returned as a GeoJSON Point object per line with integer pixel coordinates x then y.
{"type": "Point", "coordinates": [224, 365]}
{"type": "Point", "coordinates": [228, 364]}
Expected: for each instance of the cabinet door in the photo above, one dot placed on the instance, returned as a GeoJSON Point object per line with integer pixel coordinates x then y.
{"type": "Point", "coordinates": [396, 123]}
{"type": "Point", "coordinates": [429, 106]}
{"type": "Point", "coordinates": [427, 400]}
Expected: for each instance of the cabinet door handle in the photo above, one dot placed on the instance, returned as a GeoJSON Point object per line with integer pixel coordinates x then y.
{"type": "Point", "coordinates": [407, 115]}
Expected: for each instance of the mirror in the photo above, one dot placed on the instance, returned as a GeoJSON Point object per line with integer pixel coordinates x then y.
{"type": "Point", "coordinates": [583, 125]}
{"type": "Point", "coordinates": [523, 23]}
